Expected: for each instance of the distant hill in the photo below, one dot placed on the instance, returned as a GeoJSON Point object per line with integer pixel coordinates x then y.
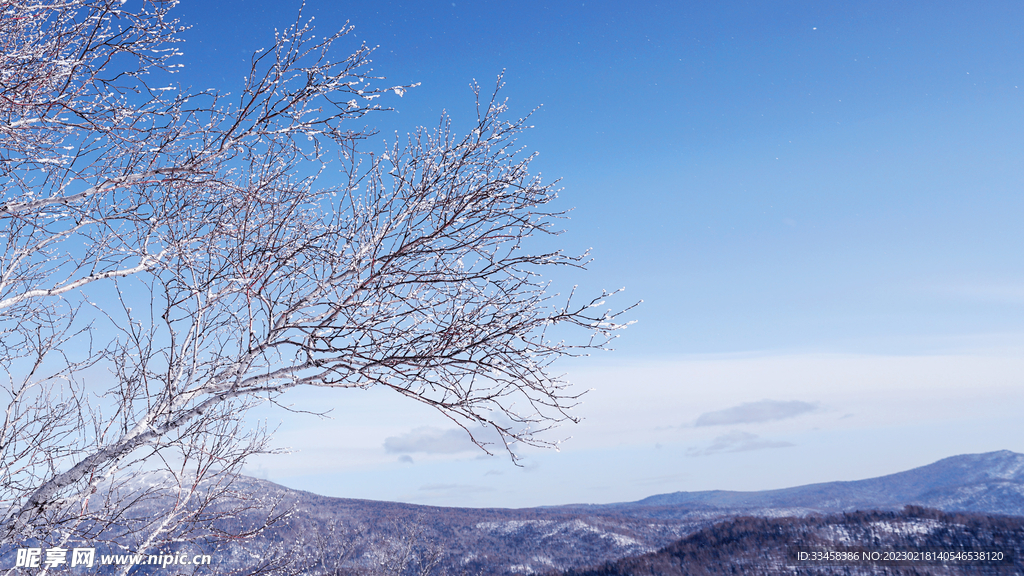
{"type": "Point", "coordinates": [751, 545]}
{"type": "Point", "coordinates": [988, 483]}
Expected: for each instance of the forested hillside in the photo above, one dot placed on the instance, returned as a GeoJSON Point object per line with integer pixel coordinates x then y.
{"type": "Point", "coordinates": [751, 545]}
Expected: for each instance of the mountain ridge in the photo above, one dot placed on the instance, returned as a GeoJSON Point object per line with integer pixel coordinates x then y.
{"type": "Point", "coordinates": [366, 536]}
{"type": "Point", "coordinates": [506, 541]}
{"type": "Point", "coordinates": [943, 485]}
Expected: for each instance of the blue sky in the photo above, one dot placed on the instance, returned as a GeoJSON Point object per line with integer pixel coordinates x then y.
{"type": "Point", "coordinates": [818, 202]}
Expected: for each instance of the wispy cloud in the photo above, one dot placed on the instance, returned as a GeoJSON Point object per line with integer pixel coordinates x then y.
{"type": "Point", "coordinates": [737, 441]}
{"type": "Point", "coordinates": [1001, 292]}
{"type": "Point", "coordinates": [453, 488]}
{"type": "Point", "coordinates": [429, 440]}
{"type": "Point", "coordinates": [752, 412]}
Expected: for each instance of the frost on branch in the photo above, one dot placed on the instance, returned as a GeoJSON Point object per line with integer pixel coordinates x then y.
{"type": "Point", "coordinates": [168, 260]}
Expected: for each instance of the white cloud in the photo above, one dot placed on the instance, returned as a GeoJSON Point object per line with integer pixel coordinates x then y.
{"type": "Point", "coordinates": [430, 440]}
{"type": "Point", "coordinates": [753, 412]}
{"type": "Point", "coordinates": [737, 441]}
{"type": "Point", "coordinates": [441, 489]}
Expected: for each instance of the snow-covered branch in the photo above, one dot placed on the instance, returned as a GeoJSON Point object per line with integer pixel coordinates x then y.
{"type": "Point", "coordinates": [168, 260]}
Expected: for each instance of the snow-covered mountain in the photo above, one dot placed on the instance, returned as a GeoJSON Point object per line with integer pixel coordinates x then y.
{"type": "Point", "coordinates": [990, 483]}
{"type": "Point", "coordinates": [315, 534]}
{"type": "Point", "coordinates": [535, 540]}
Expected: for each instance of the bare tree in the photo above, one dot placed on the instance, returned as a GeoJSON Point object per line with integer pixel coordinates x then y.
{"type": "Point", "coordinates": [169, 259]}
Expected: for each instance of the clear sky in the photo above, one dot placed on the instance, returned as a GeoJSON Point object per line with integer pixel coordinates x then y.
{"type": "Point", "coordinates": [819, 203]}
